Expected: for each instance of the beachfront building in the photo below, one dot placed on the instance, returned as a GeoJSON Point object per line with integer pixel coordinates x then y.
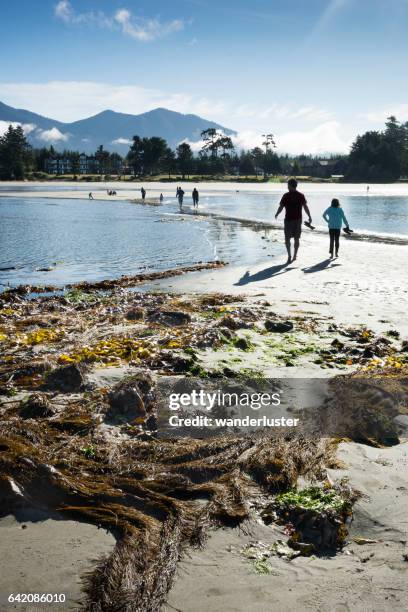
{"type": "Point", "coordinates": [319, 168]}
{"type": "Point", "coordinates": [58, 166]}
{"type": "Point", "coordinates": [87, 164]}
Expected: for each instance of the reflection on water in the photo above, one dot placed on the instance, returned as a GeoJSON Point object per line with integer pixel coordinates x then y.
{"type": "Point", "coordinates": [378, 214]}
{"type": "Point", "coordinates": [92, 240]}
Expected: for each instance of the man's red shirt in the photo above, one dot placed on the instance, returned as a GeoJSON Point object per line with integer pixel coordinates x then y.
{"type": "Point", "coordinates": [293, 202]}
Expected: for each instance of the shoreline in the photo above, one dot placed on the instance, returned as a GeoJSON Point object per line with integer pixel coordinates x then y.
{"type": "Point", "coordinates": [65, 359]}
{"type": "Point", "coordinates": [209, 190]}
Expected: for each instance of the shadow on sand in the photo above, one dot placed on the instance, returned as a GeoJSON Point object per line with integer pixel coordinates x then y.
{"type": "Point", "coordinates": [263, 274]}
{"type": "Point", "coordinates": [322, 265]}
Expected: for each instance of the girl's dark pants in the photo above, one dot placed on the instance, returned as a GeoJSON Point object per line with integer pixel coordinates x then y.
{"type": "Point", "coordinates": [334, 239]}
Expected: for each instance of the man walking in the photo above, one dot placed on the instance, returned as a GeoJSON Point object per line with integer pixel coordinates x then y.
{"type": "Point", "coordinates": [293, 202]}
{"type": "Point", "coordinates": [195, 197]}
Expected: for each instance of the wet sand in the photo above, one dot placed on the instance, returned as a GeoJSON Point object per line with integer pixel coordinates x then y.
{"type": "Point", "coordinates": [364, 285]}
{"type": "Point", "coordinates": [41, 554]}
{"type": "Point", "coordinates": [362, 578]}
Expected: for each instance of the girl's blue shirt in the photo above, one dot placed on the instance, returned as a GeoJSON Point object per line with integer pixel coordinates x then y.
{"type": "Point", "coordinates": [335, 217]}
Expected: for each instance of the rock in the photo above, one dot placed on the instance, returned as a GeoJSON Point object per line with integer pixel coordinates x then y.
{"type": "Point", "coordinates": [228, 372]}
{"type": "Point", "coordinates": [69, 378]}
{"type": "Point", "coordinates": [280, 327]}
{"type": "Point", "coordinates": [227, 333]}
{"type": "Point", "coordinates": [135, 314]}
{"type": "Point", "coordinates": [337, 344]}
{"type": "Point", "coordinates": [404, 347]}
{"type": "Point", "coordinates": [151, 423]}
{"type": "Point", "coordinates": [243, 344]}
{"type": "Point", "coordinates": [131, 399]}
{"type": "Point", "coordinates": [36, 406]}
{"type": "Point", "coordinates": [170, 318]}
{"type": "Point", "coordinates": [214, 337]}
{"type": "Point", "coordinates": [233, 323]}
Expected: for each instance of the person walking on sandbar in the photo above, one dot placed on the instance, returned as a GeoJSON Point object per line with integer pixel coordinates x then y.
{"type": "Point", "coordinates": [143, 192]}
{"type": "Point", "coordinates": [293, 202]}
{"type": "Point", "coordinates": [180, 197]}
{"type": "Point", "coordinates": [335, 217]}
{"type": "Point", "coordinates": [195, 197]}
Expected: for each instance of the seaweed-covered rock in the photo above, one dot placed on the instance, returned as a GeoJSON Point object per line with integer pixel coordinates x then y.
{"type": "Point", "coordinates": [243, 344]}
{"type": "Point", "coordinates": [317, 517]}
{"type": "Point", "coordinates": [279, 327]}
{"type": "Point", "coordinates": [234, 323]}
{"type": "Point", "coordinates": [170, 318]}
{"type": "Point", "coordinates": [36, 406]}
{"type": "Point", "coordinates": [135, 314]}
{"type": "Point", "coordinates": [69, 378]}
{"type": "Point", "coordinates": [132, 398]}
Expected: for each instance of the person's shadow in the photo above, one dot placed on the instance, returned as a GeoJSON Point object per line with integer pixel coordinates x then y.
{"type": "Point", "coordinates": [322, 265]}
{"type": "Point", "coordinates": [263, 274]}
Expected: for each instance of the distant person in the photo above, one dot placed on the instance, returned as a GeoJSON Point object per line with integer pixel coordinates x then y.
{"type": "Point", "coordinates": [180, 196]}
{"type": "Point", "coordinates": [161, 197]}
{"type": "Point", "coordinates": [293, 202]}
{"type": "Point", "coordinates": [143, 192]}
{"type": "Point", "coordinates": [368, 188]}
{"type": "Point", "coordinates": [335, 217]}
{"type": "Point", "coordinates": [90, 196]}
{"type": "Point", "coordinates": [196, 197]}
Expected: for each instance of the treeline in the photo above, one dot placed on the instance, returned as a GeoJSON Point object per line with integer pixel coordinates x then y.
{"type": "Point", "coordinates": [216, 157]}
{"type": "Point", "coordinates": [375, 156]}
{"type": "Point", "coordinates": [380, 156]}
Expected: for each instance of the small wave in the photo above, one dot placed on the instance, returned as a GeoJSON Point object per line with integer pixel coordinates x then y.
{"type": "Point", "coordinates": [359, 234]}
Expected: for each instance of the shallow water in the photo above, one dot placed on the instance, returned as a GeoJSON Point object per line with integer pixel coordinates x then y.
{"type": "Point", "coordinates": [93, 240]}
{"type": "Point", "coordinates": [373, 213]}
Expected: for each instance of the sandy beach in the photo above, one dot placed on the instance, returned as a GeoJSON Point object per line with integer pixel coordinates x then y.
{"type": "Point", "coordinates": [211, 323]}
{"type": "Point", "coordinates": [363, 577]}
{"type": "Point", "coordinates": [47, 554]}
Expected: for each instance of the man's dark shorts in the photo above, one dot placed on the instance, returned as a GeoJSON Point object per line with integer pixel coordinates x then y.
{"type": "Point", "coordinates": [293, 228]}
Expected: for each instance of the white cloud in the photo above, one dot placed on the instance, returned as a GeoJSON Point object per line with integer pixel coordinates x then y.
{"type": "Point", "coordinates": [27, 127]}
{"type": "Point", "coordinates": [138, 28]}
{"type": "Point", "coordinates": [63, 10]}
{"type": "Point", "coordinates": [277, 111]}
{"type": "Point", "coordinates": [124, 141]}
{"type": "Point", "coordinates": [145, 30]}
{"type": "Point", "coordinates": [325, 138]}
{"type": "Point", "coordinates": [400, 111]}
{"type": "Point", "coordinates": [52, 135]}
{"type": "Point", "coordinates": [311, 113]}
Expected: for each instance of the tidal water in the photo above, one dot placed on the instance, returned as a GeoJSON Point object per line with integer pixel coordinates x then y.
{"type": "Point", "coordinates": [93, 240]}
{"type": "Point", "coordinates": [376, 213]}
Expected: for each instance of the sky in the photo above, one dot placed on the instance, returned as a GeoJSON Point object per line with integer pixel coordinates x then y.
{"type": "Point", "coordinates": [314, 73]}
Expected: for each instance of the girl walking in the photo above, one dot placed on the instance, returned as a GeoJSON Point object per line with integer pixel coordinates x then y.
{"type": "Point", "coordinates": [335, 217]}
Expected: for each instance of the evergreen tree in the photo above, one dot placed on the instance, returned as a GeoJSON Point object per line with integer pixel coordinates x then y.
{"type": "Point", "coordinates": [185, 159]}
{"type": "Point", "coordinates": [15, 154]}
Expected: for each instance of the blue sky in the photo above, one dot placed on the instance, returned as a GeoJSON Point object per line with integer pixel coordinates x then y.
{"type": "Point", "coordinates": [315, 73]}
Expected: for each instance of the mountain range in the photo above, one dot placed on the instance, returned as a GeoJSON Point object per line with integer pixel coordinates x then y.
{"type": "Point", "coordinates": [111, 129]}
